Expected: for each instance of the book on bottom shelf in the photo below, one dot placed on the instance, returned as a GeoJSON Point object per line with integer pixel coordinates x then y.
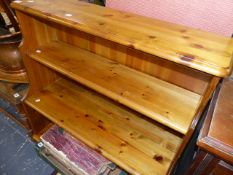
{"type": "Point", "coordinates": [73, 155]}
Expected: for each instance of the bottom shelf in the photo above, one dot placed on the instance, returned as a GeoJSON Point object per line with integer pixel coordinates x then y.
{"type": "Point", "coordinates": [121, 135]}
{"type": "Point", "coordinates": [36, 136]}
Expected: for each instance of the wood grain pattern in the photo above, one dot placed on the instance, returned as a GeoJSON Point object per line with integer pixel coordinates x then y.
{"type": "Point", "coordinates": [36, 121]}
{"type": "Point", "coordinates": [193, 48]}
{"type": "Point", "coordinates": [174, 73]}
{"type": "Point", "coordinates": [168, 104]}
{"type": "Point", "coordinates": [199, 113]}
{"type": "Point", "coordinates": [19, 78]}
{"type": "Point", "coordinates": [118, 133]}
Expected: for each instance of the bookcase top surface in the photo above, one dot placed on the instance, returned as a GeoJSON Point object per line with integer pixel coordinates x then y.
{"type": "Point", "coordinates": [197, 49]}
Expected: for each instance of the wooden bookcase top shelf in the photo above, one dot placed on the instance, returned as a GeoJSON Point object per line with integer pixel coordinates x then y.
{"type": "Point", "coordinates": [130, 87]}
{"type": "Point", "coordinates": [201, 50]}
{"type": "Point", "coordinates": [166, 103]}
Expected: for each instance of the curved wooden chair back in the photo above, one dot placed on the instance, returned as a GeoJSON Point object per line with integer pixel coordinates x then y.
{"type": "Point", "coordinates": [5, 4]}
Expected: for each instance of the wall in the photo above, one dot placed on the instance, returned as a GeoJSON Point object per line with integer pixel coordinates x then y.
{"type": "Point", "coordinates": [210, 15]}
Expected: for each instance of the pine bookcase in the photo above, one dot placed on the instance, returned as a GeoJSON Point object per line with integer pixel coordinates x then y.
{"type": "Point", "coordinates": [130, 87]}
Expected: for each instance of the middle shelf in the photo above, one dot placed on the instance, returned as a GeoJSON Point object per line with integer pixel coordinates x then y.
{"type": "Point", "coordinates": [120, 134]}
{"type": "Point", "coordinates": [166, 103]}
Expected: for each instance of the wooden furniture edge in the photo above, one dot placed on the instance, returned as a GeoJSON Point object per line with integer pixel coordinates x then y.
{"type": "Point", "coordinates": [213, 147]}
{"type": "Point", "coordinates": [208, 143]}
{"type": "Point", "coordinates": [214, 82]}
{"type": "Point", "coordinates": [19, 78]}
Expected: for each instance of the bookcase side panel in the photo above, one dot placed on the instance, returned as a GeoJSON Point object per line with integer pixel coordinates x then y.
{"type": "Point", "coordinates": [35, 33]}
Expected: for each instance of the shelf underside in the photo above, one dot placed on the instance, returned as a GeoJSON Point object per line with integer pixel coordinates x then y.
{"type": "Point", "coordinates": [166, 103]}
{"type": "Point", "coordinates": [122, 135]}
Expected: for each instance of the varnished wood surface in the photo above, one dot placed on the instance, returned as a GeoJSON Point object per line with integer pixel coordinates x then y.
{"type": "Point", "coordinates": [208, 164]}
{"type": "Point", "coordinates": [217, 135]}
{"type": "Point", "coordinates": [193, 48]}
{"type": "Point", "coordinates": [121, 135]}
{"type": "Point", "coordinates": [166, 103]}
{"type": "Point", "coordinates": [14, 78]}
{"type": "Point", "coordinates": [36, 136]}
{"type": "Point", "coordinates": [199, 113]}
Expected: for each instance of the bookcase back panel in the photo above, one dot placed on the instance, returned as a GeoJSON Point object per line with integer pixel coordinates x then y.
{"type": "Point", "coordinates": [182, 76]}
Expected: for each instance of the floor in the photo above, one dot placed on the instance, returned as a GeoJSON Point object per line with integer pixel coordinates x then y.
{"type": "Point", "coordinates": [17, 154]}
